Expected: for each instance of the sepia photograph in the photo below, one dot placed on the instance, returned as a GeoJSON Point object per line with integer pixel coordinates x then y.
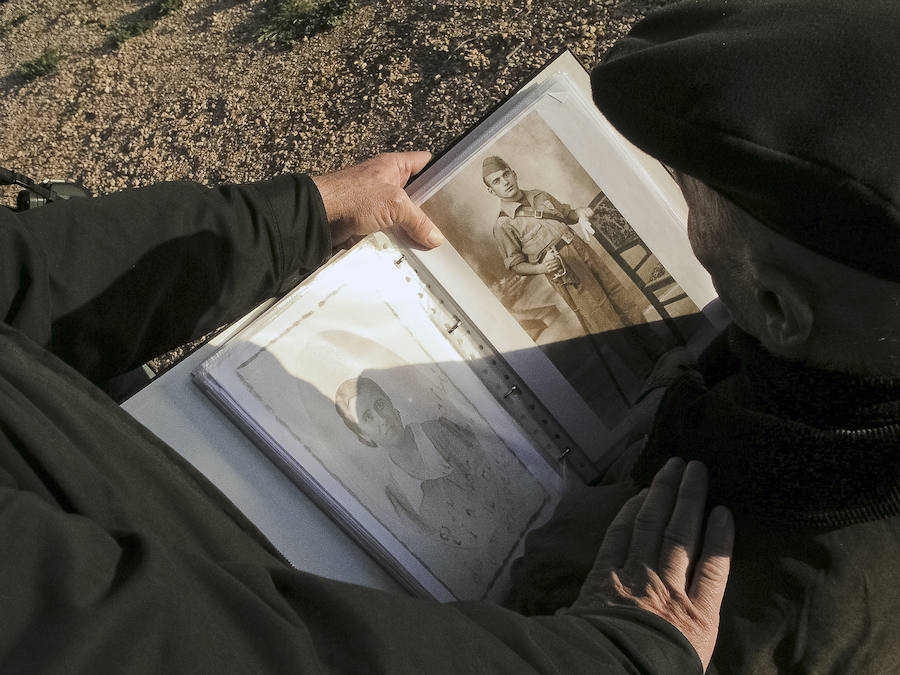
{"type": "Point", "coordinates": [385, 420]}
{"type": "Point", "coordinates": [553, 249]}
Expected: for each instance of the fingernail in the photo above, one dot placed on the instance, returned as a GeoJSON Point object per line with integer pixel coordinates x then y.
{"type": "Point", "coordinates": [434, 238]}
{"type": "Point", "coordinates": [696, 465]}
{"type": "Point", "coordinates": [675, 463]}
{"type": "Point", "coordinates": [720, 517]}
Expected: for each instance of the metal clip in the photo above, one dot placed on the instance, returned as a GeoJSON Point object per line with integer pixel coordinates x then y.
{"type": "Point", "coordinates": [454, 326]}
{"type": "Point", "coordinates": [400, 260]}
{"type": "Point", "coordinates": [512, 390]}
{"type": "Point", "coordinates": [564, 454]}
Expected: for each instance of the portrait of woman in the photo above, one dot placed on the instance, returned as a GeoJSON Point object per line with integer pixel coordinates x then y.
{"type": "Point", "coordinates": [439, 477]}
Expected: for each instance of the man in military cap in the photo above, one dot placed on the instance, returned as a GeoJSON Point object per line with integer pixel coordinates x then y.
{"type": "Point", "coordinates": [537, 234]}
{"type": "Point", "coordinates": [779, 118]}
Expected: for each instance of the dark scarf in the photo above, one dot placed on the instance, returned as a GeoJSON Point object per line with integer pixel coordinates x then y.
{"type": "Point", "coordinates": [784, 443]}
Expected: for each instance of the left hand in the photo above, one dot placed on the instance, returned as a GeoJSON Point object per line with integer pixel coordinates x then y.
{"type": "Point", "coordinates": [584, 212]}
{"type": "Point", "coordinates": [369, 197]}
{"type": "Point", "coordinates": [654, 557]}
{"type": "Point", "coordinates": [583, 227]}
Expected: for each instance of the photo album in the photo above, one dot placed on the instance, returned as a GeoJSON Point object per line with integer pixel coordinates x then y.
{"type": "Point", "coordinates": [437, 403]}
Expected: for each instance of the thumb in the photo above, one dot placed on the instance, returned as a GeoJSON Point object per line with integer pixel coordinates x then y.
{"type": "Point", "coordinates": [412, 220]}
{"type": "Point", "coordinates": [411, 163]}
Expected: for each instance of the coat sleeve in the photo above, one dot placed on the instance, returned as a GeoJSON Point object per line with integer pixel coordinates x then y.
{"type": "Point", "coordinates": [121, 602]}
{"type": "Point", "coordinates": [108, 283]}
{"type": "Point", "coordinates": [119, 557]}
{"type": "Point", "coordinates": [114, 560]}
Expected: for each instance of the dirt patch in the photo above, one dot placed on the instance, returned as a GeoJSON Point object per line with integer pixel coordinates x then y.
{"type": "Point", "coordinates": [197, 97]}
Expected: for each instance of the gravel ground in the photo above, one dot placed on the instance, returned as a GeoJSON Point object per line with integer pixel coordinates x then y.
{"type": "Point", "coordinates": [198, 97]}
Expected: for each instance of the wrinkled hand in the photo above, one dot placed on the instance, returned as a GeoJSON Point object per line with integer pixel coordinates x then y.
{"type": "Point", "coordinates": [369, 197]}
{"type": "Point", "coordinates": [648, 558]}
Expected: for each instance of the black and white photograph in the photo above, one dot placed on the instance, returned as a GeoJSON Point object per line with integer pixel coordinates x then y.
{"type": "Point", "coordinates": [378, 421]}
{"type": "Point", "coordinates": [565, 264]}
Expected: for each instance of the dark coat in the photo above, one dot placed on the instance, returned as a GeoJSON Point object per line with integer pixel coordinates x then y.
{"type": "Point", "coordinates": [119, 557]}
{"type": "Point", "coordinates": [807, 461]}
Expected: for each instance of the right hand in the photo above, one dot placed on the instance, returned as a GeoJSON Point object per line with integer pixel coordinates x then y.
{"type": "Point", "coordinates": [552, 262]}
{"type": "Point", "coordinates": [649, 557]}
{"type": "Point", "coordinates": [369, 197]}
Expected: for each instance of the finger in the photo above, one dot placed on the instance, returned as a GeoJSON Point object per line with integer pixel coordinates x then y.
{"type": "Point", "coordinates": [412, 220]}
{"type": "Point", "coordinates": [614, 549]}
{"type": "Point", "coordinates": [711, 572]}
{"type": "Point", "coordinates": [654, 515]}
{"type": "Point", "coordinates": [682, 536]}
{"type": "Point", "coordinates": [411, 163]}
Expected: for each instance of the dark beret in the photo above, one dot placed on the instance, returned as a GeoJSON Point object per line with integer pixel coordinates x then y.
{"type": "Point", "coordinates": [789, 108]}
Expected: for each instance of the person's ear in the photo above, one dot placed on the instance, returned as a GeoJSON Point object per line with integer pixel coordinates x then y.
{"type": "Point", "coordinates": [490, 189]}
{"type": "Point", "coordinates": [787, 313]}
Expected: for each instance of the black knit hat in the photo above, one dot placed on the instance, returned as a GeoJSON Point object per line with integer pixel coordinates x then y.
{"type": "Point", "coordinates": [789, 108]}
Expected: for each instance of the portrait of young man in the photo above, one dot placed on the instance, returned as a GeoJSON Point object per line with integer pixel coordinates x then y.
{"type": "Point", "coordinates": [545, 240]}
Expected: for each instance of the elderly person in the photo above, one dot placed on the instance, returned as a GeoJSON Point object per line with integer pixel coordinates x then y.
{"type": "Point", "coordinates": [780, 122]}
